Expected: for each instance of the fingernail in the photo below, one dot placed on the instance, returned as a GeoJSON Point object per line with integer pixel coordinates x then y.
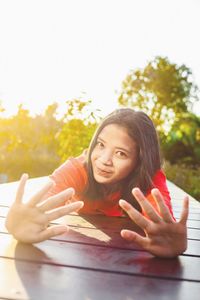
{"type": "Point", "coordinates": [125, 233]}
{"type": "Point", "coordinates": [71, 190]}
{"type": "Point", "coordinates": [136, 190]}
{"type": "Point", "coordinates": [24, 176]}
{"type": "Point", "coordinates": [82, 203]}
{"type": "Point", "coordinates": [122, 202]}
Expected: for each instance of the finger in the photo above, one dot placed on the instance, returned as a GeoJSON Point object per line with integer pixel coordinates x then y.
{"type": "Point", "coordinates": [164, 210]}
{"type": "Point", "coordinates": [185, 211]}
{"type": "Point", "coordinates": [51, 232]}
{"type": "Point", "coordinates": [135, 237]}
{"type": "Point", "coordinates": [64, 210]}
{"type": "Point", "coordinates": [146, 206]}
{"type": "Point", "coordinates": [134, 214]}
{"type": "Point", "coordinates": [40, 194]}
{"type": "Point", "coordinates": [20, 189]}
{"type": "Point", "coordinates": [56, 200]}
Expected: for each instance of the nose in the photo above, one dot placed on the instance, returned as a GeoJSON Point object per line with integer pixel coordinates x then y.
{"type": "Point", "coordinates": [106, 158]}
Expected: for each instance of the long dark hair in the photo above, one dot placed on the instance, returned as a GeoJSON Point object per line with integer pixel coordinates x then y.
{"type": "Point", "coordinates": [141, 129]}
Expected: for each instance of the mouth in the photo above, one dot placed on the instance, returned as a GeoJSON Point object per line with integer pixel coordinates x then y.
{"type": "Point", "coordinates": [103, 172]}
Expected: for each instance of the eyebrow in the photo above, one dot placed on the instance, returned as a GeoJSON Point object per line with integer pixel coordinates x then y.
{"type": "Point", "coordinates": [118, 148]}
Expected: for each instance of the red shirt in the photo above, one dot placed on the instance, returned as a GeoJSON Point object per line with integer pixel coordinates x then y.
{"type": "Point", "coordinates": [73, 174]}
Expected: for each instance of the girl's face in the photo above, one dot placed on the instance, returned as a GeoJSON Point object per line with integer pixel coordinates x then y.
{"type": "Point", "coordinates": [114, 156]}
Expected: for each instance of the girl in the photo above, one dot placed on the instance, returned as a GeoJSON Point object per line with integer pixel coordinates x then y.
{"type": "Point", "coordinates": [124, 154]}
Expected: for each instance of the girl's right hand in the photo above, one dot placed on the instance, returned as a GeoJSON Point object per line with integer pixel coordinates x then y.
{"type": "Point", "coordinates": [28, 222]}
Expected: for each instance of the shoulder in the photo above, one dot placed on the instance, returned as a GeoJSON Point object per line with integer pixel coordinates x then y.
{"type": "Point", "coordinates": [78, 167]}
{"type": "Point", "coordinates": [160, 182]}
{"type": "Point", "coordinates": [159, 177]}
{"type": "Point", "coordinates": [72, 170]}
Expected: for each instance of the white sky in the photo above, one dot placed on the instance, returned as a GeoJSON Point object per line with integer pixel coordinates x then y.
{"type": "Point", "coordinates": [55, 50]}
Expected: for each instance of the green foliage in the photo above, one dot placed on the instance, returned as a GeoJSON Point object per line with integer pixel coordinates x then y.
{"type": "Point", "coordinates": [27, 144]}
{"type": "Point", "coordinates": [37, 145]}
{"type": "Point", "coordinates": [162, 89]}
{"type": "Point", "coordinates": [80, 123]}
{"type": "Point", "coordinates": [182, 144]}
{"type": "Point", "coordinates": [82, 110]}
{"type": "Point", "coordinates": [185, 177]}
{"type": "Point", "coordinates": [74, 137]}
{"type": "Point", "coordinates": [166, 92]}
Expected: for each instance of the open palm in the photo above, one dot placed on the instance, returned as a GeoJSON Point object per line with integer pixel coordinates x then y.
{"type": "Point", "coordinates": [164, 236]}
{"type": "Point", "coordinates": [29, 222]}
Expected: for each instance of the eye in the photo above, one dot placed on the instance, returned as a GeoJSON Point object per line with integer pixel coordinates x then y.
{"type": "Point", "coordinates": [121, 154]}
{"type": "Point", "coordinates": [100, 145]}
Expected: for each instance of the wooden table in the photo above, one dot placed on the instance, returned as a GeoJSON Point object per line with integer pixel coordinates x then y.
{"type": "Point", "coordinates": [92, 261]}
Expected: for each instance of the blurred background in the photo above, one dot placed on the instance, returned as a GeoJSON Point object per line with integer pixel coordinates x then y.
{"type": "Point", "coordinates": [66, 64]}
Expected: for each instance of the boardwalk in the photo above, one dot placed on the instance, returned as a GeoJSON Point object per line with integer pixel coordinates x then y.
{"type": "Point", "coordinates": [92, 261]}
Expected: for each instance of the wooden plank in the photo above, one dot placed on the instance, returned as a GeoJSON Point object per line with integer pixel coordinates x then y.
{"type": "Point", "coordinates": [88, 236]}
{"type": "Point", "coordinates": [3, 211]}
{"type": "Point", "coordinates": [86, 221]}
{"type": "Point", "coordinates": [102, 258]}
{"type": "Point", "coordinates": [8, 190]}
{"type": "Point", "coordinates": [193, 248]}
{"type": "Point", "coordinates": [108, 235]}
{"type": "Point", "coordinates": [192, 210]}
{"type": "Point", "coordinates": [101, 222]}
{"type": "Point", "coordinates": [192, 215]}
{"type": "Point", "coordinates": [176, 192]}
{"type": "Point", "coordinates": [98, 221]}
{"type": "Point", "coordinates": [193, 224]}
{"type": "Point", "coordinates": [193, 233]}
{"type": "Point", "coordinates": [177, 211]}
{"type": "Point", "coordinates": [112, 239]}
{"type": "Point", "coordinates": [176, 200]}
{"type": "Point", "coordinates": [23, 280]}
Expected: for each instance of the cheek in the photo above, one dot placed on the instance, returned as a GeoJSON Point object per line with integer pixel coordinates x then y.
{"type": "Point", "coordinates": [126, 168]}
{"type": "Point", "coordinates": [93, 156]}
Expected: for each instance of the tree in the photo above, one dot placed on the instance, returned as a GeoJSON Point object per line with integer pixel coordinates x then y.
{"type": "Point", "coordinates": [80, 122]}
{"type": "Point", "coordinates": [182, 144]}
{"type": "Point", "coordinates": [28, 144]}
{"type": "Point", "coordinates": [162, 89]}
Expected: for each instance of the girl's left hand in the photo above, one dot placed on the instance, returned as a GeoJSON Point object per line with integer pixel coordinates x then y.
{"type": "Point", "coordinates": [164, 236]}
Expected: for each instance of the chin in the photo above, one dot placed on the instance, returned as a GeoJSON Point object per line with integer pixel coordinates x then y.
{"type": "Point", "coordinates": [101, 180]}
